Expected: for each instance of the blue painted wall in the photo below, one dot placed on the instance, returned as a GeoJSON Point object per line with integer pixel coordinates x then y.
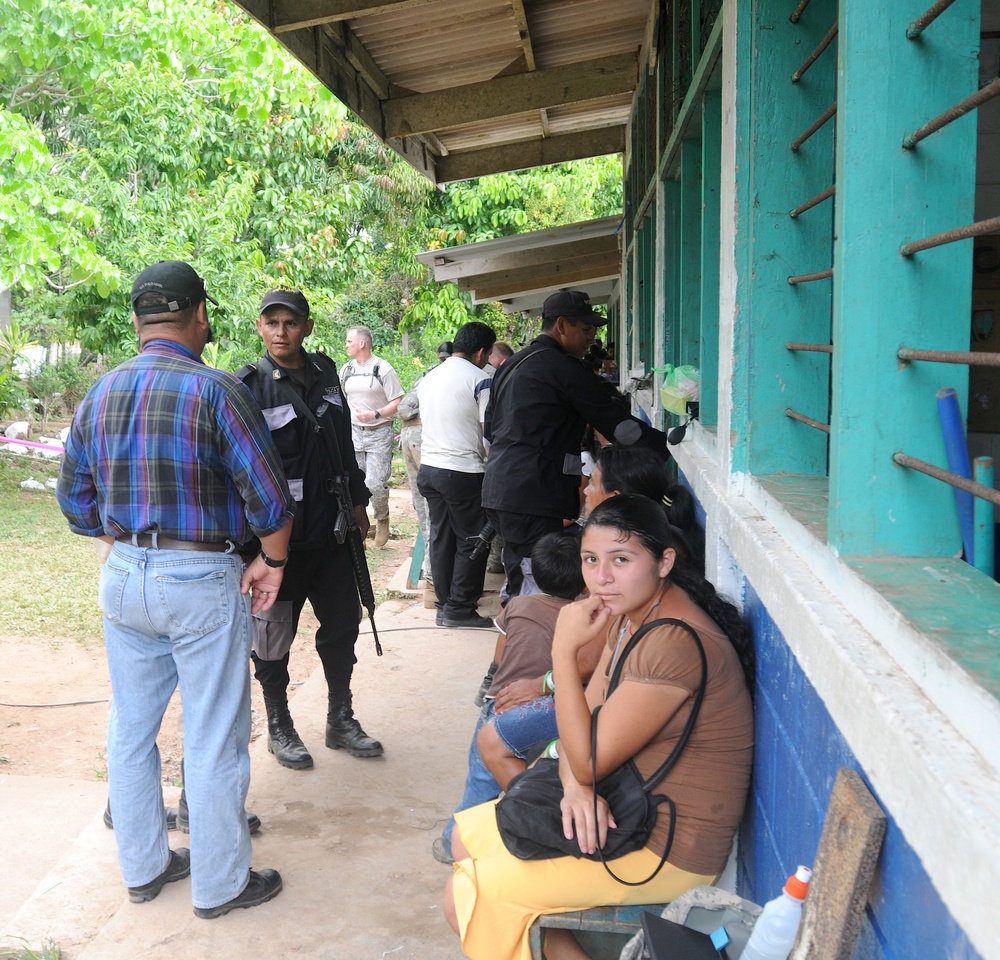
{"type": "Point", "coordinates": [797, 753]}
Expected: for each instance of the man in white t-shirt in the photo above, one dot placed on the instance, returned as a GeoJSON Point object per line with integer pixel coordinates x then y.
{"type": "Point", "coordinates": [453, 398]}
{"type": "Point", "coordinates": [373, 393]}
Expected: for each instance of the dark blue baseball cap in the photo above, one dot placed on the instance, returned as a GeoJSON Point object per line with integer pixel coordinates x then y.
{"type": "Point", "coordinates": [573, 305]}
{"type": "Point", "coordinates": [176, 280]}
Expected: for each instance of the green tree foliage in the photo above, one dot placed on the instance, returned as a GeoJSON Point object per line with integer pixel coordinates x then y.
{"type": "Point", "coordinates": [499, 206]}
{"type": "Point", "coordinates": [137, 130]}
{"type": "Point", "coordinates": [168, 129]}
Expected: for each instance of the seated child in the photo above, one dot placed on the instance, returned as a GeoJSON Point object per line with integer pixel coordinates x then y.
{"type": "Point", "coordinates": [524, 653]}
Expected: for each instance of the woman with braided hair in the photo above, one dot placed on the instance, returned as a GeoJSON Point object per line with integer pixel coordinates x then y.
{"type": "Point", "coordinates": [629, 566]}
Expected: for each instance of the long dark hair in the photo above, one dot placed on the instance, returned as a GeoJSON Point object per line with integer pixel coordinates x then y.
{"type": "Point", "coordinates": [641, 470]}
{"type": "Point", "coordinates": [639, 517]}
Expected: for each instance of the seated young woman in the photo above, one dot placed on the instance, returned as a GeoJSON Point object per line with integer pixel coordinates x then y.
{"type": "Point", "coordinates": [617, 469]}
{"type": "Point", "coordinates": [628, 559]}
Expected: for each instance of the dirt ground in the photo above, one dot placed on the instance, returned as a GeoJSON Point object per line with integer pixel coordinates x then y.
{"type": "Point", "coordinates": [54, 696]}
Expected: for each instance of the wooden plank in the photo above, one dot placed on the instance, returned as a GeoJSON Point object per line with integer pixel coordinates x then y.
{"type": "Point", "coordinates": [289, 15]}
{"type": "Point", "coordinates": [477, 267]}
{"type": "Point", "coordinates": [564, 275]}
{"type": "Point", "coordinates": [508, 96]}
{"type": "Point", "coordinates": [845, 864]}
{"type": "Point", "coordinates": [531, 153]}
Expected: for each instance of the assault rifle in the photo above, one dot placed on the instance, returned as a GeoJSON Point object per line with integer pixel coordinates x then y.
{"type": "Point", "coordinates": [346, 529]}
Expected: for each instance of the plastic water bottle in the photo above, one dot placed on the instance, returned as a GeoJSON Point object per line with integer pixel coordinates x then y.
{"type": "Point", "coordinates": [774, 932]}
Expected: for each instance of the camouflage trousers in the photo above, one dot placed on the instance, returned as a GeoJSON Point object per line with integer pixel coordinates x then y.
{"type": "Point", "coordinates": [373, 449]}
{"type": "Point", "coordinates": [409, 446]}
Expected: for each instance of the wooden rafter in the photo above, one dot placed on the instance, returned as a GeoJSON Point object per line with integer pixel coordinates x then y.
{"type": "Point", "coordinates": [531, 153]}
{"type": "Point", "coordinates": [287, 15]}
{"type": "Point", "coordinates": [510, 95]}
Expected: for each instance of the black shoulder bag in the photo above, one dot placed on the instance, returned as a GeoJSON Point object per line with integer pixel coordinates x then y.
{"type": "Point", "coordinates": [529, 816]}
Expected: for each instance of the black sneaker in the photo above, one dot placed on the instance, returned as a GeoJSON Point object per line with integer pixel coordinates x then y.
{"type": "Point", "coordinates": [260, 888]}
{"type": "Point", "coordinates": [474, 622]}
{"type": "Point", "coordinates": [484, 687]}
{"type": "Point", "coordinates": [178, 868]}
{"type": "Point", "coordinates": [441, 851]}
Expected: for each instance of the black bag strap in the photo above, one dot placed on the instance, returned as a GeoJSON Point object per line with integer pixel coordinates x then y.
{"type": "Point", "coordinates": [527, 355]}
{"type": "Point", "coordinates": [699, 696]}
{"type": "Point", "coordinates": [670, 762]}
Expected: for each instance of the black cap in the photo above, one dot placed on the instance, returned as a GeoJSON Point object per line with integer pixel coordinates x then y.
{"type": "Point", "coordinates": [176, 280]}
{"type": "Point", "coordinates": [572, 304]}
{"type": "Point", "coordinates": [293, 299]}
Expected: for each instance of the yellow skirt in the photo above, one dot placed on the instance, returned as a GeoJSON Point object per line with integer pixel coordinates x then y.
{"type": "Point", "coordinates": [498, 897]}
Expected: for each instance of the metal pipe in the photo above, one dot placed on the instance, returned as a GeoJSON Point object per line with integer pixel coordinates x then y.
{"type": "Point", "coordinates": [960, 109]}
{"type": "Point", "coordinates": [917, 27]}
{"type": "Point", "coordinates": [814, 56]}
{"type": "Point", "coordinates": [967, 358]}
{"type": "Point", "coordinates": [809, 277]}
{"type": "Point", "coordinates": [798, 11]}
{"type": "Point", "coordinates": [810, 347]}
{"type": "Point", "coordinates": [953, 431]}
{"type": "Point", "coordinates": [984, 530]}
{"type": "Point", "coordinates": [953, 479]}
{"type": "Point", "coordinates": [823, 117]}
{"type": "Point", "coordinates": [808, 421]}
{"type": "Point", "coordinates": [950, 236]}
{"type": "Point", "coordinates": [809, 204]}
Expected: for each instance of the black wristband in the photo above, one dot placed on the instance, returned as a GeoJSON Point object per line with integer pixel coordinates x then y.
{"type": "Point", "coordinates": [271, 562]}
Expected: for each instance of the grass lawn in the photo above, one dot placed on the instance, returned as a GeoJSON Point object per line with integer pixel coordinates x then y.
{"type": "Point", "coordinates": [51, 589]}
{"type": "Point", "coordinates": [52, 582]}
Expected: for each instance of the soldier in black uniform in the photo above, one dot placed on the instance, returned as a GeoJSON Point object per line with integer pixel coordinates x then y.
{"type": "Point", "coordinates": [319, 569]}
{"type": "Point", "coordinates": [541, 401]}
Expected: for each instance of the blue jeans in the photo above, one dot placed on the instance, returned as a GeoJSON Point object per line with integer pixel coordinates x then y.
{"type": "Point", "coordinates": [519, 729]}
{"type": "Point", "coordinates": [177, 617]}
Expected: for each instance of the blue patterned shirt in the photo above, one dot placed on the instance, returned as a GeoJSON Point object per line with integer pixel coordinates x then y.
{"type": "Point", "coordinates": [165, 442]}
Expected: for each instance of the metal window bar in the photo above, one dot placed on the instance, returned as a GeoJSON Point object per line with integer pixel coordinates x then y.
{"type": "Point", "coordinates": [960, 109]}
{"type": "Point", "coordinates": [810, 277]}
{"type": "Point", "coordinates": [814, 56]}
{"type": "Point", "coordinates": [810, 347]}
{"type": "Point", "coordinates": [917, 27]}
{"type": "Point", "coordinates": [808, 421]}
{"type": "Point", "coordinates": [798, 11]}
{"type": "Point", "coordinates": [951, 236]}
{"type": "Point", "coordinates": [814, 201]}
{"type": "Point", "coordinates": [953, 479]}
{"type": "Point", "coordinates": [966, 358]}
{"type": "Point", "coordinates": [806, 134]}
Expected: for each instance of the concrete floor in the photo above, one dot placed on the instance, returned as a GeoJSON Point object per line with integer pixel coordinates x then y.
{"type": "Point", "coordinates": [350, 837]}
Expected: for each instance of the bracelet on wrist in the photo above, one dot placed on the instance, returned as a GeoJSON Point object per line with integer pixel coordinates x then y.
{"type": "Point", "coordinates": [271, 562]}
{"type": "Point", "coordinates": [547, 684]}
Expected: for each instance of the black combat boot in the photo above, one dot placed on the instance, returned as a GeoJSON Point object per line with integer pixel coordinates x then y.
{"type": "Point", "coordinates": [282, 740]}
{"type": "Point", "coordinates": [343, 732]}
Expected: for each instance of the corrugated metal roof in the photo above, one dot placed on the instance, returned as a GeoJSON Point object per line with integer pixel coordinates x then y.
{"type": "Point", "coordinates": [461, 88]}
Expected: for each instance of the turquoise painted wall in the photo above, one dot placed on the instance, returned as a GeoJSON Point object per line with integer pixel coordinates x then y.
{"type": "Point", "coordinates": [888, 86]}
{"type": "Point", "coordinates": [778, 246]}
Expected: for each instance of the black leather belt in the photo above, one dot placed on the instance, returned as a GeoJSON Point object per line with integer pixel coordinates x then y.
{"type": "Point", "coordinates": [159, 542]}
